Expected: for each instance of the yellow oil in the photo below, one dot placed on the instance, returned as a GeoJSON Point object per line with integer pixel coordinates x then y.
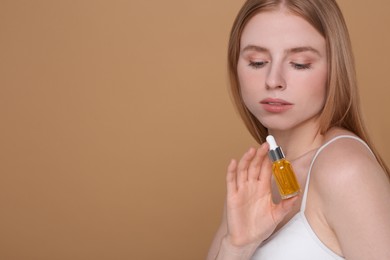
{"type": "Point", "coordinates": [285, 179]}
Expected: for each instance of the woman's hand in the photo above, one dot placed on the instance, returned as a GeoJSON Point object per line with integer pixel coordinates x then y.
{"type": "Point", "coordinates": [251, 214]}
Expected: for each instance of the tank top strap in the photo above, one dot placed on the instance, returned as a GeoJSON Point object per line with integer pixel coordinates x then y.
{"type": "Point", "coordinates": [304, 199]}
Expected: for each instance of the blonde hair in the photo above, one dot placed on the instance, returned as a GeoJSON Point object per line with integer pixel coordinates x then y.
{"type": "Point", "coordinates": [342, 105]}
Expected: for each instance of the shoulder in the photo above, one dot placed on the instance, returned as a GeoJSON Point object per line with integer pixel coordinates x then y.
{"type": "Point", "coordinates": [347, 176]}
{"type": "Point", "coordinates": [346, 171]}
{"type": "Point", "coordinates": [344, 161]}
{"type": "Point", "coordinates": [354, 194]}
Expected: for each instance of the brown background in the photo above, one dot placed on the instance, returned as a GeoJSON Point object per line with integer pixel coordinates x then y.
{"type": "Point", "coordinates": [116, 124]}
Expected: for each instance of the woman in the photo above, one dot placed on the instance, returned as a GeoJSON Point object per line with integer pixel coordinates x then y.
{"type": "Point", "coordinates": [292, 76]}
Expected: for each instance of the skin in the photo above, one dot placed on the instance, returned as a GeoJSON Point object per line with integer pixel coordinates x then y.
{"type": "Point", "coordinates": [283, 57]}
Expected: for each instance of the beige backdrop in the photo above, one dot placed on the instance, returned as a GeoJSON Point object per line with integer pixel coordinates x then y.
{"type": "Point", "coordinates": [116, 125]}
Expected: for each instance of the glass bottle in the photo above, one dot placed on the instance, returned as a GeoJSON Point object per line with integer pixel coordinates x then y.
{"type": "Point", "coordinates": [282, 171]}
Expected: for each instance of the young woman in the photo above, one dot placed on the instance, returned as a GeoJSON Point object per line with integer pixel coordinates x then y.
{"type": "Point", "coordinates": [292, 76]}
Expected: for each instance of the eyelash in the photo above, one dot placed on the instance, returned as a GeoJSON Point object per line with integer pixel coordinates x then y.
{"type": "Point", "coordinates": [257, 64]}
{"type": "Point", "coordinates": [297, 66]}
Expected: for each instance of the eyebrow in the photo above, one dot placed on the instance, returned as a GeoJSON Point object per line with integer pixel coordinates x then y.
{"type": "Point", "coordinates": [257, 48]}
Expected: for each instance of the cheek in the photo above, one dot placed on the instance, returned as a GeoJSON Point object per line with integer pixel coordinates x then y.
{"type": "Point", "coordinates": [310, 91]}
{"type": "Point", "coordinates": [250, 80]}
{"type": "Point", "coordinates": [320, 86]}
{"type": "Point", "coordinates": [243, 75]}
{"type": "Point", "coordinates": [316, 82]}
{"type": "Point", "coordinates": [245, 81]}
{"type": "Point", "coordinates": [250, 91]}
{"type": "Point", "coordinates": [316, 91]}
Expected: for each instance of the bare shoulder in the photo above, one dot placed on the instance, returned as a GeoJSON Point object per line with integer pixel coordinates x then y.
{"type": "Point", "coordinates": [345, 163]}
{"type": "Point", "coordinates": [354, 194]}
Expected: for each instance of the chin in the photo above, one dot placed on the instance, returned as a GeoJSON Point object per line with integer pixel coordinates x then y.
{"type": "Point", "coordinates": [278, 126]}
{"type": "Point", "coordinates": [288, 125]}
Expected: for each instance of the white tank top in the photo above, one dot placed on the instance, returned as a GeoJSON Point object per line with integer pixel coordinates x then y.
{"type": "Point", "coordinates": [296, 240]}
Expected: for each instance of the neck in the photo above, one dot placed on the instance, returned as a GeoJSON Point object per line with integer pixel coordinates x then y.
{"type": "Point", "coordinates": [297, 142]}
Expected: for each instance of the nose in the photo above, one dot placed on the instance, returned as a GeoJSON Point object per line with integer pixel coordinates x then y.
{"type": "Point", "coordinates": [275, 78]}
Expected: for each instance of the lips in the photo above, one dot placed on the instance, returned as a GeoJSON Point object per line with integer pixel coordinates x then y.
{"type": "Point", "coordinates": [276, 105]}
{"type": "Point", "coordinates": [275, 101]}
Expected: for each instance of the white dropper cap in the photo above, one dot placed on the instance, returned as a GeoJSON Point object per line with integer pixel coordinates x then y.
{"type": "Point", "coordinates": [275, 152]}
{"type": "Point", "coordinates": [272, 143]}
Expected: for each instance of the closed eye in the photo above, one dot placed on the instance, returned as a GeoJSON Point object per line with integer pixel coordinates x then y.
{"type": "Point", "coordinates": [257, 64]}
{"type": "Point", "coordinates": [300, 66]}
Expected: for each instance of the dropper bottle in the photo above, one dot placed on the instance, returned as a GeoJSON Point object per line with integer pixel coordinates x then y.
{"type": "Point", "coordinates": [282, 171]}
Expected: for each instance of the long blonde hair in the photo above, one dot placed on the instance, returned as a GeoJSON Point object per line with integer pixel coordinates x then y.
{"type": "Point", "coordinates": [342, 105]}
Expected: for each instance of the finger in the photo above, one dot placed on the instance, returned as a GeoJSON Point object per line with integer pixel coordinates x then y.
{"type": "Point", "coordinates": [254, 165]}
{"type": "Point", "coordinates": [266, 166]}
{"type": "Point", "coordinates": [283, 208]}
{"type": "Point", "coordinates": [266, 175]}
{"type": "Point", "coordinates": [231, 178]}
{"type": "Point", "coordinates": [242, 169]}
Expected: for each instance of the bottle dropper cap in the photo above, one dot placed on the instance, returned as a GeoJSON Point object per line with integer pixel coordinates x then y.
{"type": "Point", "coordinates": [275, 152]}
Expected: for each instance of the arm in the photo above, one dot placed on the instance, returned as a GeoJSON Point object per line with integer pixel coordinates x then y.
{"type": "Point", "coordinates": [356, 200]}
{"type": "Point", "coordinates": [250, 216]}
{"type": "Point", "coordinates": [219, 235]}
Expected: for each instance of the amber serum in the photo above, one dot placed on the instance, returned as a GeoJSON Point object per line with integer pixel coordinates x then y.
{"type": "Point", "coordinates": [282, 170]}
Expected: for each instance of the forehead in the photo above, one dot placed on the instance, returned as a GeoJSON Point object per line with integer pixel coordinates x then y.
{"type": "Point", "coordinates": [280, 29]}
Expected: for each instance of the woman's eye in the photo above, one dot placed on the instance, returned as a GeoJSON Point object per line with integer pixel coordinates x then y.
{"type": "Point", "coordinates": [300, 66]}
{"type": "Point", "coordinates": [257, 64]}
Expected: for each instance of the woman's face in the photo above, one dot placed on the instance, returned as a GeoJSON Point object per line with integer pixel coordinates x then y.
{"type": "Point", "coordinates": [282, 70]}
